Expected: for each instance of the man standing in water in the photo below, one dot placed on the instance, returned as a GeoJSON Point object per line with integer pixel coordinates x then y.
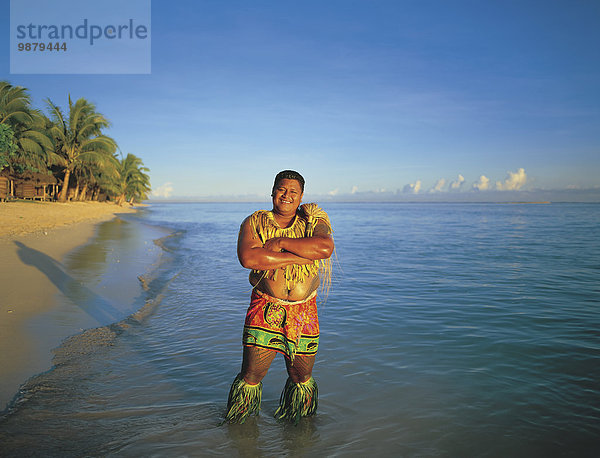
{"type": "Point", "coordinates": [285, 248]}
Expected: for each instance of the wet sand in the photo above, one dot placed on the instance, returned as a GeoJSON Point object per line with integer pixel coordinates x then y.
{"type": "Point", "coordinates": [34, 234]}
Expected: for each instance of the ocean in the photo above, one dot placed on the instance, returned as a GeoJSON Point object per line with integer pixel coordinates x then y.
{"type": "Point", "coordinates": [459, 330]}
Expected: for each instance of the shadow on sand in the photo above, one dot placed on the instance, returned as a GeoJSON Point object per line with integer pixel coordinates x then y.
{"type": "Point", "coordinates": [87, 300]}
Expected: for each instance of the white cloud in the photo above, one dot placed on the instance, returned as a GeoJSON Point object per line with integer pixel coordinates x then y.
{"type": "Point", "coordinates": [457, 184]}
{"type": "Point", "coordinates": [483, 183]}
{"type": "Point", "coordinates": [334, 192]}
{"type": "Point", "coordinates": [354, 189]}
{"type": "Point", "coordinates": [164, 190]}
{"type": "Point", "coordinates": [439, 185]}
{"type": "Point", "coordinates": [514, 181]}
{"type": "Point", "coordinates": [412, 188]}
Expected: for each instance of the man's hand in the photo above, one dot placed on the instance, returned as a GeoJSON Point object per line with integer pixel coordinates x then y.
{"type": "Point", "coordinates": [318, 246]}
{"type": "Point", "coordinates": [273, 244]}
{"type": "Point", "coordinates": [254, 255]}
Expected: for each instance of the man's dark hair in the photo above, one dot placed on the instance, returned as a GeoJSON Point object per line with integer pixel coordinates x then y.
{"type": "Point", "coordinates": [289, 175]}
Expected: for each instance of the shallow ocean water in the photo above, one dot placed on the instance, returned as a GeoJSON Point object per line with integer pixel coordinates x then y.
{"type": "Point", "coordinates": [449, 330]}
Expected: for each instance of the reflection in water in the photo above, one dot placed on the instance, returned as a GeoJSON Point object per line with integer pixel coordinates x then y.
{"type": "Point", "coordinates": [113, 240]}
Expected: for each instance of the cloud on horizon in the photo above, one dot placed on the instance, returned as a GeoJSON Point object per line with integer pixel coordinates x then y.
{"type": "Point", "coordinates": [468, 196]}
{"type": "Point", "coordinates": [511, 189]}
{"type": "Point", "coordinates": [514, 181]}
{"type": "Point", "coordinates": [483, 184]}
{"type": "Point", "coordinates": [164, 191]}
{"type": "Point", "coordinates": [555, 195]}
{"type": "Point", "coordinates": [412, 188]}
{"type": "Point", "coordinates": [439, 186]}
{"type": "Point", "coordinates": [457, 184]}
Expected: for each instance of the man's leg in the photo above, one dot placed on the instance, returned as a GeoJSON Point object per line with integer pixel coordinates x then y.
{"type": "Point", "coordinates": [246, 391]}
{"type": "Point", "coordinates": [300, 395]}
{"type": "Point", "coordinates": [256, 363]}
{"type": "Point", "coordinates": [301, 370]}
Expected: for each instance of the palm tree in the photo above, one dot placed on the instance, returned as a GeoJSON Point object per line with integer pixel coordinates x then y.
{"type": "Point", "coordinates": [134, 183]}
{"type": "Point", "coordinates": [90, 175]}
{"type": "Point", "coordinates": [34, 149]}
{"type": "Point", "coordinates": [8, 147]}
{"type": "Point", "coordinates": [105, 183]}
{"type": "Point", "coordinates": [79, 139]}
{"type": "Point", "coordinates": [14, 104]}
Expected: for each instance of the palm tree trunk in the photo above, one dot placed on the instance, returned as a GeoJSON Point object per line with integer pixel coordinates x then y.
{"type": "Point", "coordinates": [62, 197]}
{"type": "Point", "coordinates": [83, 194]}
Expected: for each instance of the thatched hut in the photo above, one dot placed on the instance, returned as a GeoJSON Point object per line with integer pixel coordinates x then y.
{"type": "Point", "coordinates": [37, 186]}
{"type": "Point", "coordinates": [6, 185]}
{"type": "Point", "coordinates": [4, 188]}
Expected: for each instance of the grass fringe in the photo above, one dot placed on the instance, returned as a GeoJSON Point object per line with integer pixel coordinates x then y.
{"type": "Point", "coordinates": [298, 400]}
{"type": "Point", "coordinates": [244, 400]}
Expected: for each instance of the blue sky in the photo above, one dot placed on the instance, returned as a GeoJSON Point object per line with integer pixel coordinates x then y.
{"type": "Point", "coordinates": [367, 99]}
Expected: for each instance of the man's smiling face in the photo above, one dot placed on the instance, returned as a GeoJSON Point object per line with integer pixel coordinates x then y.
{"type": "Point", "coordinates": [287, 195]}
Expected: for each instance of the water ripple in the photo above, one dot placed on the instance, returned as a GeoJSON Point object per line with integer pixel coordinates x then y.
{"type": "Point", "coordinates": [450, 330]}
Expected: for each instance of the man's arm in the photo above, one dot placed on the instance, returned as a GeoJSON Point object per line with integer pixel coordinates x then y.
{"type": "Point", "coordinates": [319, 246]}
{"type": "Point", "coordinates": [253, 255]}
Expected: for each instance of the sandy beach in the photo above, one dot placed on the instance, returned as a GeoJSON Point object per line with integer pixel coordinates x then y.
{"type": "Point", "coordinates": [28, 217]}
{"type": "Point", "coordinates": [33, 233]}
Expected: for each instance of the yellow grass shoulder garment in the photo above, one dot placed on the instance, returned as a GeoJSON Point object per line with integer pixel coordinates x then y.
{"type": "Point", "coordinates": [263, 224]}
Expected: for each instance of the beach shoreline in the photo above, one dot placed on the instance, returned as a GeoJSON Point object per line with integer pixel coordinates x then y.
{"type": "Point", "coordinates": [33, 233]}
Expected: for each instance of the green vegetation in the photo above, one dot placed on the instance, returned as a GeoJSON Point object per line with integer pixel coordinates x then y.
{"type": "Point", "coordinates": [69, 145]}
{"type": "Point", "coordinates": [8, 147]}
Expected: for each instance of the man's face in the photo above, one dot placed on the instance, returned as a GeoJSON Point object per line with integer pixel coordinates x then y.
{"type": "Point", "coordinates": [287, 195]}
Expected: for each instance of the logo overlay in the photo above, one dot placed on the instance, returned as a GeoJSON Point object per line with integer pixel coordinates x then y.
{"type": "Point", "coordinates": [80, 37]}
